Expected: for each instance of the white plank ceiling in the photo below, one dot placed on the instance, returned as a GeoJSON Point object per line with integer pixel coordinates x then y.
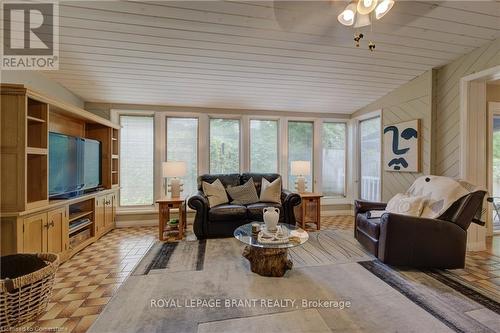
{"type": "Point", "coordinates": [282, 56]}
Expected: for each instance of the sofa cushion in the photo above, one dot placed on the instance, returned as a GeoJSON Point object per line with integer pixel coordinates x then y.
{"type": "Point", "coordinates": [215, 192]}
{"type": "Point", "coordinates": [227, 212]}
{"type": "Point", "coordinates": [369, 226]}
{"type": "Point", "coordinates": [257, 178]}
{"type": "Point", "coordinates": [244, 194]}
{"type": "Point", "coordinates": [271, 191]}
{"type": "Point", "coordinates": [255, 211]}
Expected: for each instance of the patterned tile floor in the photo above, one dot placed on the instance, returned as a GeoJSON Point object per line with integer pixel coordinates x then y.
{"type": "Point", "coordinates": [86, 282]}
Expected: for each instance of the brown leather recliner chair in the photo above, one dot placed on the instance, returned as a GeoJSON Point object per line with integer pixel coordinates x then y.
{"type": "Point", "coordinates": [403, 240]}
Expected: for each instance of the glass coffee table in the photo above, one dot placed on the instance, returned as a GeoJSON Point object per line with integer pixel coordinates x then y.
{"type": "Point", "coordinates": [269, 259]}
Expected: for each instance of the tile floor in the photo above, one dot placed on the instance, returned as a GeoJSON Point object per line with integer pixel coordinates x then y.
{"type": "Point", "coordinates": [86, 282]}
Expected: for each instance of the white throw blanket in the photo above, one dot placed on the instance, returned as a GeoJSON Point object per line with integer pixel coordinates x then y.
{"type": "Point", "coordinates": [440, 192]}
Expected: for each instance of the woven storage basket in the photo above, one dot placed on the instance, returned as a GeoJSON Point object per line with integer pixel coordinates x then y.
{"type": "Point", "coordinates": [25, 297]}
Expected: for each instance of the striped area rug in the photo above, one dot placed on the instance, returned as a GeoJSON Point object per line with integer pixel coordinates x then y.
{"type": "Point", "coordinates": [328, 247]}
{"type": "Point", "coordinates": [456, 305]}
{"type": "Point", "coordinates": [173, 257]}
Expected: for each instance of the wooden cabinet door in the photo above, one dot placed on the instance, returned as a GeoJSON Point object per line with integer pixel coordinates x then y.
{"type": "Point", "coordinates": [35, 233]}
{"type": "Point", "coordinates": [108, 212]}
{"type": "Point", "coordinates": [99, 214]}
{"type": "Point", "coordinates": [57, 231]}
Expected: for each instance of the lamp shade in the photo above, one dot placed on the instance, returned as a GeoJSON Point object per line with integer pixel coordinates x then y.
{"type": "Point", "coordinates": [348, 15]}
{"type": "Point", "coordinates": [174, 169]}
{"type": "Point", "coordinates": [301, 168]}
{"type": "Point", "coordinates": [383, 8]}
{"type": "Point", "coordinates": [366, 6]}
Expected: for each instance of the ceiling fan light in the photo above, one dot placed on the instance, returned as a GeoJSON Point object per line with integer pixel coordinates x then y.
{"type": "Point", "coordinates": [366, 6]}
{"type": "Point", "coordinates": [362, 21]}
{"type": "Point", "coordinates": [348, 15]}
{"type": "Point", "coordinates": [383, 8]}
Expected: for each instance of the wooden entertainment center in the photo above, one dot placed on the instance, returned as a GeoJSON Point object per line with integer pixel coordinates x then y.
{"type": "Point", "coordinates": [30, 221]}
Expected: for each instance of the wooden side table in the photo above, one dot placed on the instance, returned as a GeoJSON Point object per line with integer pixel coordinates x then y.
{"type": "Point", "coordinates": [309, 210]}
{"type": "Point", "coordinates": [165, 205]}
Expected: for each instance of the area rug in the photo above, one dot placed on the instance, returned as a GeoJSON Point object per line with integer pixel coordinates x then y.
{"type": "Point", "coordinates": [172, 257]}
{"type": "Point", "coordinates": [176, 289]}
{"type": "Point", "coordinates": [456, 305]}
{"type": "Point", "coordinates": [323, 248]}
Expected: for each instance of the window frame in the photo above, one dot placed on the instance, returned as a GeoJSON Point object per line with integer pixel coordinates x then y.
{"type": "Point", "coordinates": [359, 120]}
{"type": "Point", "coordinates": [241, 157]}
{"type": "Point", "coordinates": [165, 152]}
{"type": "Point", "coordinates": [278, 139]}
{"type": "Point", "coordinates": [316, 146]}
{"type": "Point", "coordinates": [161, 113]}
{"type": "Point", "coordinates": [341, 198]}
{"type": "Point", "coordinates": [143, 114]}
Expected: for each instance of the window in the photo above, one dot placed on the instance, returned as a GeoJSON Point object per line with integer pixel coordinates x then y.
{"type": "Point", "coordinates": [300, 148]}
{"type": "Point", "coordinates": [334, 159]}
{"type": "Point", "coordinates": [224, 146]}
{"type": "Point", "coordinates": [264, 146]}
{"type": "Point", "coordinates": [136, 160]}
{"type": "Point", "coordinates": [182, 145]}
{"type": "Point", "coordinates": [369, 131]}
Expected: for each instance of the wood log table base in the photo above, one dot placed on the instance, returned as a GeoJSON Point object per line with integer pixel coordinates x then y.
{"type": "Point", "coordinates": [268, 262]}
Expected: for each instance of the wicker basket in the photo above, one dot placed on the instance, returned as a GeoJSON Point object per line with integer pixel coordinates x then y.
{"type": "Point", "coordinates": [25, 297]}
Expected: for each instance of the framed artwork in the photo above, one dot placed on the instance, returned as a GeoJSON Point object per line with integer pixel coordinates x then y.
{"type": "Point", "coordinates": [402, 146]}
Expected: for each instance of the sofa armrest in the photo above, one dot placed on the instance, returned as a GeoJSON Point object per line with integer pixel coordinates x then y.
{"type": "Point", "coordinates": [199, 202]}
{"type": "Point", "coordinates": [289, 200]}
{"type": "Point", "coordinates": [363, 206]}
{"type": "Point", "coordinates": [421, 242]}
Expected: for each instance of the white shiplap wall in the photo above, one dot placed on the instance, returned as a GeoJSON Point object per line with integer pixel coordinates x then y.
{"type": "Point", "coordinates": [261, 55]}
{"type": "Point", "coordinates": [448, 104]}
{"type": "Point", "coordinates": [410, 101]}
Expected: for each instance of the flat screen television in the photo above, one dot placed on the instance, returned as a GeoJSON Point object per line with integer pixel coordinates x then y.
{"type": "Point", "coordinates": [74, 165]}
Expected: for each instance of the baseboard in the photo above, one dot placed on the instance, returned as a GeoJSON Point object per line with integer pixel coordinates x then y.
{"type": "Point", "coordinates": [339, 212]}
{"type": "Point", "coordinates": [476, 246]}
{"type": "Point", "coordinates": [154, 222]}
{"type": "Point", "coordinates": [143, 223]}
{"type": "Point", "coordinates": [138, 223]}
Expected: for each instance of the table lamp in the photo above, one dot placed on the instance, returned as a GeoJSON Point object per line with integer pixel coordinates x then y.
{"type": "Point", "coordinates": [174, 170]}
{"type": "Point", "coordinates": [301, 169]}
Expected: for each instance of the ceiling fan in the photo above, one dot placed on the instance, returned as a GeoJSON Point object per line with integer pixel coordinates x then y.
{"type": "Point", "coordinates": [319, 19]}
{"type": "Point", "coordinates": [361, 14]}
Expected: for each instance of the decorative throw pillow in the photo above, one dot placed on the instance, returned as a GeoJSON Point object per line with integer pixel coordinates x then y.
{"type": "Point", "coordinates": [244, 194]}
{"type": "Point", "coordinates": [270, 192]}
{"type": "Point", "coordinates": [406, 205]}
{"type": "Point", "coordinates": [215, 192]}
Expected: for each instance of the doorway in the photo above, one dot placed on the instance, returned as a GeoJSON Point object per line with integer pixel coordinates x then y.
{"type": "Point", "coordinates": [494, 166]}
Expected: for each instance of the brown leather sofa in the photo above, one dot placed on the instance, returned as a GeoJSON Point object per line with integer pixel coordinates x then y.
{"type": "Point", "coordinates": [403, 240]}
{"type": "Point", "coordinates": [222, 220]}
